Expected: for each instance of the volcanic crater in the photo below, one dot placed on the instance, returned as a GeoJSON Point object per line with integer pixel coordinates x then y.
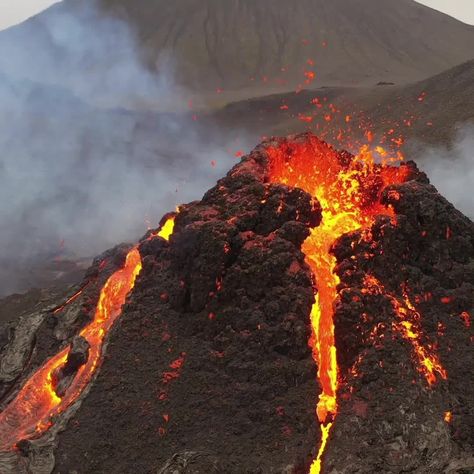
{"type": "Point", "coordinates": [310, 314]}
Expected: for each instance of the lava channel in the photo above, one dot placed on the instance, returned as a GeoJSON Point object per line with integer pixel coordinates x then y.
{"type": "Point", "coordinates": [349, 203]}
{"type": "Point", "coordinates": [37, 404]}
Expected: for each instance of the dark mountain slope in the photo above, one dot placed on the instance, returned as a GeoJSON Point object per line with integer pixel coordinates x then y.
{"type": "Point", "coordinates": [213, 337]}
{"type": "Point", "coordinates": [430, 110]}
{"type": "Point", "coordinates": [264, 45]}
{"type": "Point", "coordinates": [227, 42]}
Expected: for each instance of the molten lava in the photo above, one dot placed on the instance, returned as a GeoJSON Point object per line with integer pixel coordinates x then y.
{"type": "Point", "coordinates": [69, 301]}
{"type": "Point", "coordinates": [167, 230]}
{"type": "Point", "coordinates": [349, 195]}
{"type": "Point", "coordinates": [408, 326]}
{"type": "Point", "coordinates": [37, 404]}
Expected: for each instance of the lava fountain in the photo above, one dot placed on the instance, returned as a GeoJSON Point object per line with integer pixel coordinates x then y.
{"type": "Point", "coordinates": [349, 194]}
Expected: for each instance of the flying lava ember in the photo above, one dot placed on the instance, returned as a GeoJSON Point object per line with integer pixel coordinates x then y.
{"type": "Point", "coordinates": [38, 403]}
{"type": "Point", "coordinates": [349, 194]}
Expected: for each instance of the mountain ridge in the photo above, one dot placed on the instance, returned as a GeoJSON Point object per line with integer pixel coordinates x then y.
{"type": "Point", "coordinates": [247, 48]}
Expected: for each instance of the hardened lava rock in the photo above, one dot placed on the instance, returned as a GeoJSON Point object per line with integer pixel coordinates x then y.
{"type": "Point", "coordinates": [390, 419]}
{"type": "Point", "coordinates": [209, 368]}
{"type": "Point", "coordinates": [211, 354]}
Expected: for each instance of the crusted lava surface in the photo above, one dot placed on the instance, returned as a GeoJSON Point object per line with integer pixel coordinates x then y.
{"type": "Point", "coordinates": [211, 353]}
{"type": "Point", "coordinates": [389, 421]}
{"type": "Point", "coordinates": [208, 369]}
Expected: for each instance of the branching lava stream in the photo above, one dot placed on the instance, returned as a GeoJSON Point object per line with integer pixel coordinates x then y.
{"type": "Point", "coordinates": [37, 404]}
{"type": "Point", "coordinates": [348, 205]}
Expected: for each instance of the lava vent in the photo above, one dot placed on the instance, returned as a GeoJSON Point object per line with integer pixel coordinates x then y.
{"type": "Point", "coordinates": [311, 314]}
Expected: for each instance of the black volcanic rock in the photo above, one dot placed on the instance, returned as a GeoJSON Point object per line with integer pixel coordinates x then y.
{"type": "Point", "coordinates": [208, 369]}
{"type": "Point", "coordinates": [211, 353]}
{"type": "Point", "coordinates": [77, 357]}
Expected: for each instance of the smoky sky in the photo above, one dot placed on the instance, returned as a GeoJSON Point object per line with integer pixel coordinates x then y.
{"type": "Point", "coordinates": [460, 9]}
{"type": "Point", "coordinates": [451, 169]}
{"type": "Point", "coordinates": [15, 11]}
{"type": "Point", "coordinates": [82, 163]}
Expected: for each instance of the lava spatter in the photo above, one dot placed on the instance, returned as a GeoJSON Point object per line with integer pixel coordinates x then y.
{"type": "Point", "coordinates": [408, 326]}
{"type": "Point", "coordinates": [167, 229]}
{"type": "Point", "coordinates": [349, 194]}
{"type": "Point", "coordinates": [36, 405]}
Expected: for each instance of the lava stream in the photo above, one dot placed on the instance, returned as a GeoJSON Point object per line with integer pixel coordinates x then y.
{"type": "Point", "coordinates": [349, 203]}
{"type": "Point", "coordinates": [408, 326]}
{"type": "Point", "coordinates": [36, 405]}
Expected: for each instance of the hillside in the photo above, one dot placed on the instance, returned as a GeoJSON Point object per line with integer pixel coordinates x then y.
{"type": "Point", "coordinates": [429, 111]}
{"type": "Point", "coordinates": [244, 47]}
{"type": "Point", "coordinates": [206, 321]}
{"type": "Point", "coordinates": [228, 43]}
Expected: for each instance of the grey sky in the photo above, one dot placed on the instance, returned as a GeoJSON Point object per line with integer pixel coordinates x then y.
{"type": "Point", "coordinates": [462, 9]}
{"type": "Point", "coordinates": [15, 11]}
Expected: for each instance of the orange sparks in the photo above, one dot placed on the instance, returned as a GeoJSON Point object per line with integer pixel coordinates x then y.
{"type": "Point", "coordinates": [466, 318]}
{"type": "Point", "coordinates": [310, 76]}
{"type": "Point", "coordinates": [305, 118]}
{"type": "Point", "coordinates": [448, 417]}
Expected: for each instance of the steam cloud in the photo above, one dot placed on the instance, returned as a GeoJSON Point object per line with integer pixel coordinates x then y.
{"type": "Point", "coordinates": [451, 170]}
{"type": "Point", "coordinates": [74, 170]}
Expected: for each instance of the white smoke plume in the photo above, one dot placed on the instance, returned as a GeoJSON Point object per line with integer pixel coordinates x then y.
{"type": "Point", "coordinates": [451, 170]}
{"type": "Point", "coordinates": [74, 170]}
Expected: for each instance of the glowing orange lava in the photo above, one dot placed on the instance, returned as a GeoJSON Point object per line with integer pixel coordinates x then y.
{"type": "Point", "coordinates": [316, 168]}
{"type": "Point", "coordinates": [428, 363]}
{"type": "Point", "coordinates": [69, 301]}
{"type": "Point", "coordinates": [36, 406]}
{"type": "Point", "coordinates": [408, 325]}
{"type": "Point", "coordinates": [318, 463]}
{"type": "Point", "coordinates": [167, 230]}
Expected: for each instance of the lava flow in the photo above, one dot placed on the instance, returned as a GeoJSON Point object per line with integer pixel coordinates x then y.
{"type": "Point", "coordinates": [37, 404]}
{"type": "Point", "coordinates": [408, 327]}
{"type": "Point", "coordinates": [167, 229]}
{"type": "Point", "coordinates": [349, 196]}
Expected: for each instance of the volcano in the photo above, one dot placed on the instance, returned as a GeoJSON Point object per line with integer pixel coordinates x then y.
{"type": "Point", "coordinates": [312, 313]}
